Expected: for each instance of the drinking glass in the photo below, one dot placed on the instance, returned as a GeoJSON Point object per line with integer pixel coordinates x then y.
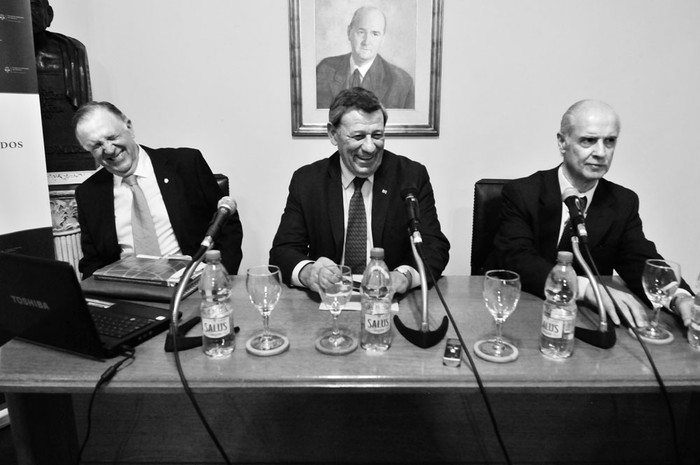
{"type": "Point", "coordinates": [335, 284]}
{"type": "Point", "coordinates": [501, 295]}
{"type": "Point", "coordinates": [264, 287]}
{"type": "Point", "coordinates": [660, 280]}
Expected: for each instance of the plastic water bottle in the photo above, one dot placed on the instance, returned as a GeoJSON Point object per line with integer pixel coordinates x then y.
{"type": "Point", "coordinates": [559, 310]}
{"type": "Point", "coordinates": [375, 297]}
{"type": "Point", "coordinates": [218, 337]}
{"type": "Point", "coordinates": [694, 327]}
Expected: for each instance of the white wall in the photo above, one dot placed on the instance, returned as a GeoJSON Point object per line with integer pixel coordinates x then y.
{"type": "Point", "coordinates": [214, 75]}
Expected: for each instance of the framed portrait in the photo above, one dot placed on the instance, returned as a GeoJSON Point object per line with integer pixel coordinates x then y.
{"type": "Point", "coordinates": [391, 47]}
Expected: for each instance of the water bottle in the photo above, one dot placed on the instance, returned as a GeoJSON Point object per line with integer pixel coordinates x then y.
{"type": "Point", "coordinates": [694, 327]}
{"type": "Point", "coordinates": [375, 298]}
{"type": "Point", "coordinates": [218, 337]}
{"type": "Point", "coordinates": [559, 310]}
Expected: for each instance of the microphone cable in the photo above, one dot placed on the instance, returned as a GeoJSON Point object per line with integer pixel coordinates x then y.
{"type": "Point", "coordinates": [482, 389]}
{"type": "Point", "coordinates": [106, 377]}
{"type": "Point", "coordinates": [657, 375]}
{"type": "Point", "coordinates": [173, 331]}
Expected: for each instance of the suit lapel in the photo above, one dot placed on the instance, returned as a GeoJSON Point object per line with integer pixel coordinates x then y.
{"type": "Point", "coordinates": [381, 190]}
{"type": "Point", "coordinates": [104, 197]}
{"type": "Point", "coordinates": [549, 214]}
{"type": "Point", "coordinates": [375, 78]}
{"type": "Point", "coordinates": [167, 183]}
{"type": "Point", "coordinates": [334, 196]}
{"type": "Point", "coordinates": [600, 215]}
{"type": "Point", "coordinates": [340, 78]}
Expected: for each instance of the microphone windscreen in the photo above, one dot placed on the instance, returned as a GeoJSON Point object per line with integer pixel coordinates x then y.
{"type": "Point", "coordinates": [228, 203]}
{"type": "Point", "coordinates": [409, 191]}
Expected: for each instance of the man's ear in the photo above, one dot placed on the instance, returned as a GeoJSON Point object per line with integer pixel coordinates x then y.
{"type": "Point", "coordinates": [49, 15]}
{"type": "Point", "coordinates": [331, 133]}
{"type": "Point", "coordinates": [561, 141]}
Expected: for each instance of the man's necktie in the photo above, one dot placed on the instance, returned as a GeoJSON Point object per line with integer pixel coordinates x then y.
{"type": "Point", "coordinates": [565, 241]}
{"type": "Point", "coordinates": [356, 80]}
{"type": "Point", "coordinates": [142, 226]}
{"type": "Point", "coordinates": [356, 235]}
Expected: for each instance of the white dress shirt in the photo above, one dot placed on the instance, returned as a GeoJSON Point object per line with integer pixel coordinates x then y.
{"type": "Point", "coordinates": [122, 209]}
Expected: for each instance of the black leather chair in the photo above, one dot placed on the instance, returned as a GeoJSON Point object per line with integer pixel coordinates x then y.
{"type": "Point", "coordinates": [487, 206]}
{"type": "Point", "coordinates": [222, 180]}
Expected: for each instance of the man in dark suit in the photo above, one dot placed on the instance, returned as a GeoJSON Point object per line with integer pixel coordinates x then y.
{"type": "Point", "coordinates": [364, 67]}
{"type": "Point", "coordinates": [533, 217]}
{"type": "Point", "coordinates": [180, 189]}
{"type": "Point", "coordinates": [312, 231]}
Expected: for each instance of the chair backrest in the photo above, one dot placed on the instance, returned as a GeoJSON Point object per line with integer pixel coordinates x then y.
{"type": "Point", "coordinates": [222, 181]}
{"type": "Point", "coordinates": [487, 207]}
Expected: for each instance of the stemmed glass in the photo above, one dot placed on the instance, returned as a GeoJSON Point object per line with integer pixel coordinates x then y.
{"type": "Point", "coordinates": [335, 285]}
{"type": "Point", "coordinates": [264, 287]}
{"type": "Point", "coordinates": [660, 280]}
{"type": "Point", "coordinates": [501, 295]}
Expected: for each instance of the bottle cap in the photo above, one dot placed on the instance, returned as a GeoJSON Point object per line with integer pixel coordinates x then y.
{"type": "Point", "coordinates": [212, 255]}
{"type": "Point", "coordinates": [377, 253]}
{"type": "Point", "coordinates": [565, 257]}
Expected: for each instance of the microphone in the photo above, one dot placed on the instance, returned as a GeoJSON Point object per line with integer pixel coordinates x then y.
{"type": "Point", "coordinates": [410, 198]}
{"type": "Point", "coordinates": [225, 208]}
{"type": "Point", "coordinates": [573, 202]}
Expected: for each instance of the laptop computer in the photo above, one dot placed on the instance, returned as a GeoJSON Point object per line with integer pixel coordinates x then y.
{"type": "Point", "coordinates": [41, 302]}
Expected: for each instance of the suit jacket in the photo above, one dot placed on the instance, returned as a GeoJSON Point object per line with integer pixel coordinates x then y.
{"type": "Point", "coordinates": [312, 224]}
{"type": "Point", "coordinates": [392, 85]}
{"type": "Point", "coordinates": [190, 193]}
{"type": "Point", "coordinates": [530, 219]}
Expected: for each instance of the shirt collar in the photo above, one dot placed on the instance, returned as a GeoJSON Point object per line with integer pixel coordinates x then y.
{"type": "Point", "coordinates": [363, 69]}
{"type": "Point", "coordinates": [144, 168]}
{"type": "Point", "coordinates": [565, 184]}
{"type": "Point", "coordinates": [346, 177]}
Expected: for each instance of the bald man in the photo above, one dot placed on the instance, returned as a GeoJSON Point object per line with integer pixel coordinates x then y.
{"type": "Point", "coordinates": [533, 216]}
{"type": "Point", "coordinates": [364, 67]}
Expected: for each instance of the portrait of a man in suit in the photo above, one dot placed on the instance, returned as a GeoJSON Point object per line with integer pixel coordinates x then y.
{"type": "Point", "coordinates": [364, 66]}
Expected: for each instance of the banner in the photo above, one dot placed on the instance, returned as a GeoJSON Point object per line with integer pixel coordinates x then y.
{"type": "Point", "coordinates": [25, 214]}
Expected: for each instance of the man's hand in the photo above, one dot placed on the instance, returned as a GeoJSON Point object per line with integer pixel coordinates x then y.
{"type": "Point", "coordinates": [683, 304]}
{"type": "Point", "coordinates": [309, 274]}
{"type": "Point", "coordinates": [399, 282]}
{"type": "Point", "coordinates": [631, 307]}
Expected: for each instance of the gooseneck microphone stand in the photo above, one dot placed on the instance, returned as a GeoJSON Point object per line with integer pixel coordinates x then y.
{"type": "Point", "coordinates": [604, 337]}
{"type": "Point", "coordinates": [423, 337]}
{"type": "Point", "coordinates": [632, 328]}
{"type": "Point", "coordinates": [178, 340]}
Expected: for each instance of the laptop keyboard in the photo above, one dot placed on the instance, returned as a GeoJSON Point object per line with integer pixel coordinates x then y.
{"type": "Point", "coordinates": [116, 325]}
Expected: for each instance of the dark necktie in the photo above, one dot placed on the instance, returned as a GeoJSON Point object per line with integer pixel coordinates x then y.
{"type": "Point", "coordinates": [356, 235]}
{"type": "Point", "coordinates": [356, 80]}
{"type": "Point", "coordinates": [142, 226]}
{"type": "Point", "coordinates": [565, 241]}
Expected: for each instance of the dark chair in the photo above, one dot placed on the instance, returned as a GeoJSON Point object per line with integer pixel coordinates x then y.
{"type": "Point", "coordinates": [487, 206]}
{"type": "Point", "coordinates": [222, 180]}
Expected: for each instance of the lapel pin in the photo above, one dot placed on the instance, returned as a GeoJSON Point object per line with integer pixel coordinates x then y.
{"type": "Point", "coordinates": [166, 180]}
{"type": "Point", "coordinates": [384, 191]}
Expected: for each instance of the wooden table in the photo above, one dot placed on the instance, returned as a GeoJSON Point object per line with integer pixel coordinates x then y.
{"type": "Point", "coordinates": [600, 406]}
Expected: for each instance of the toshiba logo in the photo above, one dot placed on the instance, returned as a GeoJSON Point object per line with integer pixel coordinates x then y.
{"type": "Point", "coordinates": [40, 304]}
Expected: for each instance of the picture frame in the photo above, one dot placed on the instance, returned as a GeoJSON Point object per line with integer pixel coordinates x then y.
{"type": "Point", "coordinates": [319, 29]}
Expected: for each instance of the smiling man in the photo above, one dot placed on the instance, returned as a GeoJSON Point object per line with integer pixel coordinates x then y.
{"type": "Point", "coordinates": [534, 218]}
{"type": "Point", "coordinates": [177, 185]}
{"type": "Point", "coordinates": [363, 66]}
{"type": "Point", "coordinates": [356, 190]}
